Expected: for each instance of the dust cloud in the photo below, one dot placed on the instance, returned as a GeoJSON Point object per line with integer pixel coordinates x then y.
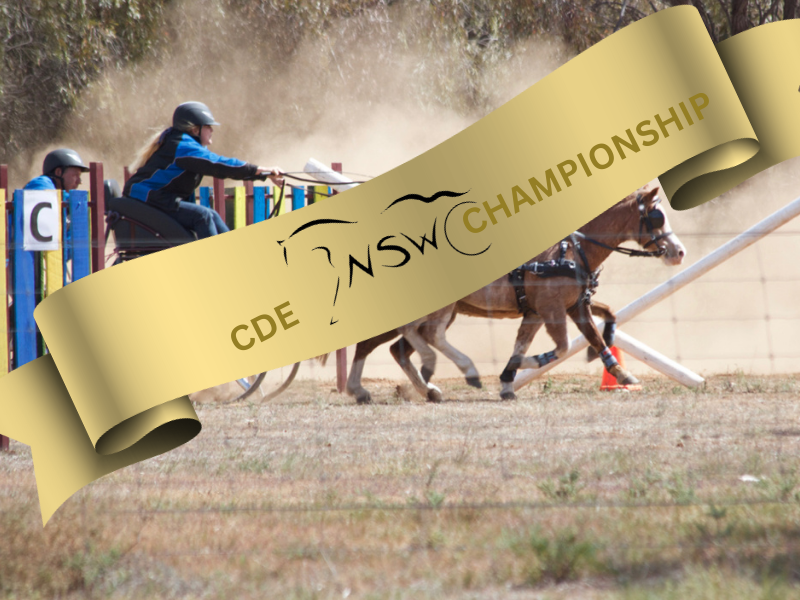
{"type": "Point", "coordinates": [373, 92]}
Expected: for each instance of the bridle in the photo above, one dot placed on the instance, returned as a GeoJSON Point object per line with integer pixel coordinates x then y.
{"type": "Point", "coordinates": [651, 220]}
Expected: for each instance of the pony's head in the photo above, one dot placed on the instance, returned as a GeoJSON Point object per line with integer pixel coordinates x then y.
{"type": "Point", "coordinates": [655, 233]}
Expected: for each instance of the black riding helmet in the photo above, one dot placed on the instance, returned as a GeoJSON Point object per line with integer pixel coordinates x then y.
{"type": "Point", "coordinates": [62, 158]}
{"type": "Point", "coordinates": [192, 114]}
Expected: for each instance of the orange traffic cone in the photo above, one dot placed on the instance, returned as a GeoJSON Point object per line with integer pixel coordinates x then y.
{"type": "Point", "coordinates": [609, 382]}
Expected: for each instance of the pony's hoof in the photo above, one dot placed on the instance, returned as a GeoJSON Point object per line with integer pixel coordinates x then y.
{"type": "Point", "coordinates": [622, 376]}
{"type": "Point", "coordinates": [508, 396]}
{"type": "Point", "coordinates": [475, 382]}
{"type": "Point", "coordinates": [426, 374]}
{"type": "Point", "coordinates": [628, 380]}
{"type": "Point", "coordinates": [434, 396]}
{"type": "Point", "coordinates": [365, 398]}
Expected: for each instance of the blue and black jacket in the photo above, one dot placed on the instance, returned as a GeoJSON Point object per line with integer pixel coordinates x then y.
{"type": "Point", "coordinates": [42, 182]}
{"type": "Point", "coordinates": [176, 169]}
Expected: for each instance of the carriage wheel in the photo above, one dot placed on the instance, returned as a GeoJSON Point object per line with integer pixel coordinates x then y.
{"type": "Point", "coordinates": [271, 383]}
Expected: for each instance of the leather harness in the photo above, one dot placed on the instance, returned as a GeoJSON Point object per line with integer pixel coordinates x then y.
{"type": "Point", "coordinates": [581, 273]}
{"type": "Point", "coordinates": [561, 267]}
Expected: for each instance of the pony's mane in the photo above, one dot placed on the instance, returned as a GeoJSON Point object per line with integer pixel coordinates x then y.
{"type": "Point", "coordinates": [622, 204]}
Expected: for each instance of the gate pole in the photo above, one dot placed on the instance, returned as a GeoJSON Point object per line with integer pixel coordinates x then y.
{"type": "Point", "coordinates": [219, 198]}
{"type": "Point", "coordinates": [98, 203]}
{"type": "Point", "coordinates": [6, 210]}
{"type": "Point", "coordinates": [4, 441]}
{"type": "Point", "coordinates": [249, 202]}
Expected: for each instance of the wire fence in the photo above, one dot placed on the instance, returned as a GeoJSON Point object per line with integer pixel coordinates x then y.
{"type": "Point", "coordinates": [741, 317]}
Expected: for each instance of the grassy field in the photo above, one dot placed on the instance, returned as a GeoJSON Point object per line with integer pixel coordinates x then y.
{"type": "Point", "coordinates": [567, 492]}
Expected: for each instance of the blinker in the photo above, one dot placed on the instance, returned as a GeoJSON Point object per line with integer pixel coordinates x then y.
{"type": "Point", "coordinates": [655, 219]}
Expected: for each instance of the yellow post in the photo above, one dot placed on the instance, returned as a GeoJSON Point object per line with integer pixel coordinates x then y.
{"type": "Point", "coordinates": [54, 263]}
{"type": "Point", "coordinates": [239, 207]}
{"type": "Point", "coordinates": [320, 192]}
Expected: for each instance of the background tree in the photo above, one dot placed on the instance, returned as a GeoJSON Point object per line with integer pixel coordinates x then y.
{"type": "Point", "coordinates": [53, 49]}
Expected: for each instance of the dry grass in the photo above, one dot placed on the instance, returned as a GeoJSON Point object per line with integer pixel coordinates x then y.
{"type": "Point", "coordinates": [564, 493]}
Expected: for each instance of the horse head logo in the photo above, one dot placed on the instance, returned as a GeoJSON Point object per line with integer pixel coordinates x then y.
{"type": "Point", "coordinates": [352, 253]}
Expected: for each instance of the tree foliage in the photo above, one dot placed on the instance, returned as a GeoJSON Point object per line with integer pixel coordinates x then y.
{"type": "Point", "coordinates": [53, 49]}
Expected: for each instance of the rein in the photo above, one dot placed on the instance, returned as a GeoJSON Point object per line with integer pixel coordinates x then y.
{"type": "Point", "coordinates": [277, 207]}
{"type": "Point", "coordinates": [306, 180]}
{"type": "Point", "coordinates": [627, 251]}
{"type": "Point", "coordinates": [646, 219]}
{"type": "Point", "coordinates": [265, 176]}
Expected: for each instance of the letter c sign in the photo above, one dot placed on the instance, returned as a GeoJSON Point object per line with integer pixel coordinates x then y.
{"type": "Point", "coordinates": [41, 220]}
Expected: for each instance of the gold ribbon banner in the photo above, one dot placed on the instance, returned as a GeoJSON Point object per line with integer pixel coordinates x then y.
{"type": "Point", "coordinates": [654, 99]}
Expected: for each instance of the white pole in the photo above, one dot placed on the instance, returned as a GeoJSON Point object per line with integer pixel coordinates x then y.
{"type": "Point", "coordinates": [656, 295]}
{"type": "Point", "coordinates": [656, 360]}
{"type": "Point", "coordinates": [338, 181]}
{"type": "Point", "coordinates": [635, 348]}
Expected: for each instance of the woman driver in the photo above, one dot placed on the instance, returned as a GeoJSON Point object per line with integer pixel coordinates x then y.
{"type": "Point", "coordinates": [171, 166]}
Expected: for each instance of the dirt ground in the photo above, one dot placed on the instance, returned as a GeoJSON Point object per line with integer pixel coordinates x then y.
{"type": "Point", "coordinates": [567, 492]}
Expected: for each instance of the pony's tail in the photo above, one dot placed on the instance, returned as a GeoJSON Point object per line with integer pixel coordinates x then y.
{"type": "Point", "coordinates": [322, 358]}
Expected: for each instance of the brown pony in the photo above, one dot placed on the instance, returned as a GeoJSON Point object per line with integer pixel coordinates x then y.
{"type": "Point", "coordinates": [541, 298]}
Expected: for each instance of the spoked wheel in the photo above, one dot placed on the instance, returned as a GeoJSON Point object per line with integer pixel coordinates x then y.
{"type": "Point", "coordinates": [271, 383]}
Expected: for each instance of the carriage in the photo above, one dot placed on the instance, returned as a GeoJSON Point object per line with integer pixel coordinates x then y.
{"type": "Point", "coordinates": [140, 229]}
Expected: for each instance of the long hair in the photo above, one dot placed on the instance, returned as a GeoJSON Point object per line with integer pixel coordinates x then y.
{"type": "Point", "coordinates": [146, 151]}
{"type": "Point", "coordinates": [152, 146]}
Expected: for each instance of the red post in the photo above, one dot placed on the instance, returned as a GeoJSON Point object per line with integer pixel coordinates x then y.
{"type": "Point", "coordinates": [341, 354]}
{"type": "Point", "coordinates": [4, 441]}
{"type": "Point", "coordinates": [248, 192]}
{"type": "Point", "coordinates": [98, 203]}
{"type": "Point", "coordinates": [219, 197]}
